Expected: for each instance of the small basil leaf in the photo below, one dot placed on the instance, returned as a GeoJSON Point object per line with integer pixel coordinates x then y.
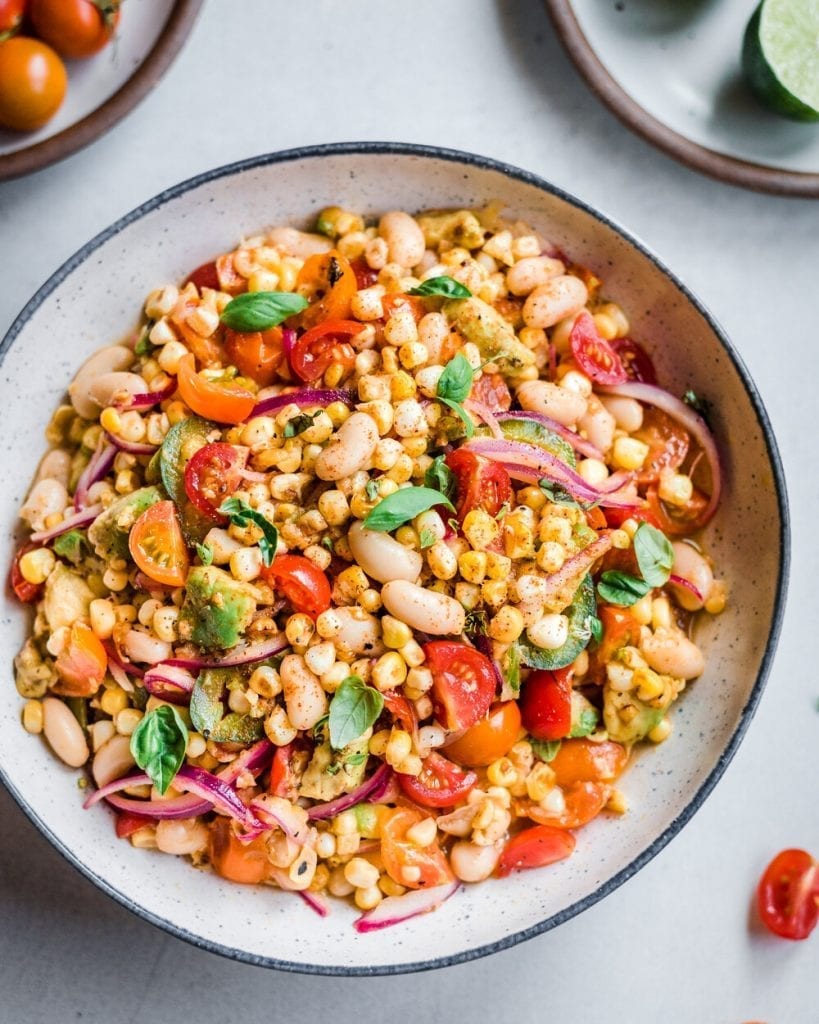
{"type": "Point", "coordinates": [158, 745]}
{"type": "Point", "coordinates": [353, 709]}
{"type": "Point", "coordinates": [440, 477]}
{"type": "Point", "coordinates": [241, 514]}
{"type": "Point", "coordinates": [655, 555]}
{"type": "Point", "coordinates": [258, 311]}
{"type": "Point", "coordinates": [595, 628]}
{"type": "Point", "coordinates": [205, 552]}
{"type": "Point", "coordinates": [426, 538]}
{"type": "Point", "coordinates": [557, 494]}
{"type": "Point", "coordinates": [299, 424]}
{"type": "Point", "coordinates": [446, 286]}
{"type": "Point", "coordinates": [621, 589]}
{"type": "Point", "coordinates": [469, 426]}
{"type": "Point", "coordinates": [401, 506]}
{"type": "Point", "coordinates": [545, 750]}
{"type": "Point", "coordinates": [455, 382]}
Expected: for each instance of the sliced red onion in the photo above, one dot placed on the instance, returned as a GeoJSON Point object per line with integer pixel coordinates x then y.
{"type": "Point", "coordinates": [137, 779]}
{"type": "Point", "coordinates": [132, 447]}
{"type": "Point", "coordinates": [169, 682]}
{"type": "Point", "coordinates": [341, 803]}
{"type": "Point", "coordinates": [681, 581]}
{"type": "Point", "coordinates": [97, 469]}
{"type": "Point", "coordinates": [387, 791]}
{"type": "Point", "coordinates": [303, 397]}
{"type": "Point", "coordinates": [243, 654]}
{"type": "Point", "coordinates": [395, 909]}
{"type": "Point", "coordinates": [693, 423]}
{"type": "Point", "coordinates": [580, 444]}
{"type": "Point", "coordinates": [223, 797]}
{"type": "Point", "coordinates": [254, 760]}
{"type": "Point", "coordinates": [278, 816]}
{"type": "Point", "coordinates": [81, 518]}
{"type": "Point", "coordinates": [562, 585]}
{"type": "Point", "coordinates": [145, 399]}
{"type": "Point", "coordinates": [314, 902]}
{"type": "Point", "coordinates": [486, 414]}
{"type": "Point", "coordinates": [187, 806]}
{"type": "Point", "coordinates": [115, 658]}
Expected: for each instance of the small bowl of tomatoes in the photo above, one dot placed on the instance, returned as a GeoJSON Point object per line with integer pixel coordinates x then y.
{"type": "Point", "coordinates": [748, 537]}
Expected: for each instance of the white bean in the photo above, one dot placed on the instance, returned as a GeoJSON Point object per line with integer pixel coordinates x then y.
{"type": "Point", "coordinates": [350, 449]}
{"type": "Point", "coordinates": [112, 760]}
{"type": "Point", "coordinates": [107, 360]}
{"type": "Point", "coordinates": [425, 610]}
{"type": "Point", "coordinates": [181, 836]}
{"type": "Point", "coordinates": [627, 412]}
{"type": "Point", "coordinates": [550, 632]}
{"type": "Point", "coordinates": [671, 653]}
{"type": "Point", "coordinates": [473, 863]}
{"type": "Point", "coordinates": [557, 299]}
{"type": "Point", "coordinates": [598, 424]}
{"type": "Point", "coordinates": [304, 698]}
{"type": "Point", "coordinates": [382, 557]}
{"type": "Point", "coordinates": [360, 632]}
{"type": "Point", "coordinates": [55, 465]}
{"type": "Point", "coordinates": [64, 733]}
{"type": "Point", "coordinates": [433, 330]}
{"type": "Point", "coordinates": [146, 649]}
{"type": "Point", "coordinates": [46, 498]}
{"type": "Point", "coordinates": [531, 272]}
{"type": "Point", "coordinates": [404, 238]}
{"type": "Point", "coordinates": [299, 243]}
{"type": "Point", "coordinates": [103, 390]}
{"type": "Point", "coordinates": [691, 566]}
{"type": "Point", "coordinates": [562, 404]}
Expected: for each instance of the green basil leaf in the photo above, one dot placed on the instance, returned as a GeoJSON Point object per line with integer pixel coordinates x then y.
{"type": "Point", "coordinates": [158, 745]}
{"type": "Point", "coordinates": [557, 494]}
{"type": "Point", "coordinates": [469, 426]}
{"type": "Point", "coordinates": [699, 405]}
{"type": "Point", "coordinates": [654, 552]}
{"type": "Point", "coordinates": [241, 514]}
{"type": "Point", "coordinates": [595, 628]}
{"type": "Point", "coordinates": [446, 286]}
{"type": "Point", "coordinates": [69, 545]}
{"type": "Point", "coordinates": [510, 668]}
{"type": "Point", "coordinates": [353, 709]}
{"type": "Point", "coordinates": [401, 506]}
{"type": "Point", "coordinates": [299, 424]}
{"type": "Point", "coordinates": [426, 538]}
{"type": "Point", "coordinates": [476, 622]}
{"type": "Point", "coordinates": [455, 382]}
{"type": "Point", "coordinates": [621, 589]}
{"type": "Point", "coordinates": [258, 311]}
{"type": "Point", "coordinates": [545, 750]}
{"type": "Point", "coordinates": [205, 552]}
{"type": "Point", "coordinates": [327, 542]}
{"type": "Point", "coordinates": [440, 477]}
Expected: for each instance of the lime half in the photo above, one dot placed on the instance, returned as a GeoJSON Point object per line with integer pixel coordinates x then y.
{"type": "Point", "coordinates": [780, 57]}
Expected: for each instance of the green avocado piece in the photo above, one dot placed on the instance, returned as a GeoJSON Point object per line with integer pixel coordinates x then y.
{"type": "Point", "coordinates": [333, 772]}
{"type": "Point", "coordinates": [532, 432]}
{"type": "Point", "coordinates": [584, 716]}
{"type": "Point", "coordinates": [108, 534]}
{"type": "Point", "coordinates": [638, 727]}
{"type": "Point", "coordinates": [579, 612]}
{"type": "Point", "coordinates": [493, 335]}
{"type": "Point", "coordinates": [181, 443]}
{"type": "Point", "coordinates": [461, 227]}
{"type": "Point", "coordinates": [217, 608]}
{"type": "Point", "coordinates": [208, 712]}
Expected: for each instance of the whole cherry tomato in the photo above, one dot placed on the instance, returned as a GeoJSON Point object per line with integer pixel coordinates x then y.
{"type": "Point", "coordinates": [463, 683]}
{"type": "Point", "coordinates": [212, 474]}
{"type": "Point", "coordinates": [33, 81]}
{"type": "Point", "coordinates": [75, 28]}
{"type": "Point", "coordinates": [157, 545]}
{"type": "Point", "coordinates": [480, 482]}
{"type": "Point", "coordinates": [11, 14]}
{"type": "Point", "coordinates": [489, 738]}
{"type": "Point", "coordinates": [546, 704]}
{"type": "Point", "coordinates": [534, 848]}
{"type": "Point", "coordinates": [304, 585]}
{"type": "Point", "coordinates": [788, 894]}
{"type": "Point", "coordinates": [440, 784]}
{"type": "Point", "coordinates": [593, 354]}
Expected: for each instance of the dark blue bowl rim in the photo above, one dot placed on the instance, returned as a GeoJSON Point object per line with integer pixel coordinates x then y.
{"type": "Point", "coordinates": [483, 163]}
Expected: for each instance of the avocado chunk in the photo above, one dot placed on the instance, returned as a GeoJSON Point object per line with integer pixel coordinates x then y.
{"type": "Point", "coordinates": [461, 227]}
{"type": "Point", "coordinates": [217, 608]}
{"type": "Point", "coordinates": [584, 716]}
{"type": "Point", "coordinates": [634, 729]}
{"type": "Point", "coordinates": [181, 443]}
{"type": "Point", "coordinates": [67, 597]}
{"type": "Point", "coordinates": [108, 534]}
{"type": "Point", "coordinates": [208, 712]}
{"type": "Point", "coordinates": [493, 335]}
{"type": "Point", "coordinates": [333, 772]}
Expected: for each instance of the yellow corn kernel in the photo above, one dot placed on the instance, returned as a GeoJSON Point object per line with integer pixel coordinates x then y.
{"type": "Point", "coordinates": [717, 598]}
{"type": "Point", "coordinates": [472, 565]}
{"type": "Point", "coordinates": [352, 581]}
{"type": "Point", "coordinates": [531, 497]}
{"type": "Point", "coordinates": [411, 765]}
{"type": "Point", "coordinates": [33, 716]}
{"type": "Point", "coordinates": [110, 420]}
{"type": "Point", "coordinates": [113, 701]}
{"type": "Point", "coordinates": [423, 832]}
{"type": "Point", "coordinates": [661, 613]}
{"type": "Point", "coordinates": [494, 592]}
{"type": "Point", "coordinates": [389, 671]}
{"type": "Point", "coordinates": [389, 887]}
{"type": "Point", "coordinates": [649, 684]}
{"type": "Point", "coordinates": [620, 540]}
{"type": "Point", "coordinates": [299, 629]}
{"type": "Point", "coordinates": [606, 327]}
{"type": "Point", "coordinates": [402, 385]}
{"type": "Point", "coordinates": [518, 538]}
{"type": "Point", "coordinates": [502, 773]}
{"type": "Point", "coordinates": [278, 727]}
{"type": "Point", "coordinates": [442, 561]}
{"type": "Point", "coordinates": [265, 681]}
{"type": "Point", "coordinates": [498, 567]}
{"type": "Point", "coordinates": [506, 625]}
{"type": "Point", "coordinates": [413, 654]}
{"type": "Point", "coordinates": [378, 742]}
{"type": "Point", "coordinates": [480, 529]}
{"type": "Point", "coordinates": [399, 747]}
{"type": "Point", "coordinates": [593, 471]}
{"type": "Point", "coordinates": [555, 529]}
{"type": "Point", "coordinates": [403, 467]}
{"type": "Point", "coordinates": [263, 281]}
{"type": "Point", "coordinates": [394, 632]}
{"type": "Point", "coordinates": [675, 488]}
{"type": "Point", "coordinates": [617, 802]}
{"type": "Point", "coordinates": [641, 610]}
{"type": "Point", "coordinates": [35, 566]}
{"type": "Point", "coordinates": [367, 899]}
{"type": "Point", "coordinates": [629, 453]}
{"type": "Point", "coordinates": [661, 731]}
{"type": "Point", "coordinates": [127, 720]}
{"type": "Point", "coordinates": [360, 873]}
{"type": "Point", "coordinates": [540, 781]}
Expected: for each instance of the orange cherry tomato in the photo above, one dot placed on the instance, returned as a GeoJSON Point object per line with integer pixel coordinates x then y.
{"type": "Point", "coordinates": [322, 345]}
{"type": "Point", "coordinates": [402, 710]}
{"type": "Point", "coordinates": [304, 585]}
{"type": "Point", "coordinates": [256, 354]}
{"type": "Point", "coordinates": [535, 848]}
{"type": "Point", "coordinates": [398, 853]}
{"type": "Point", "coordinates": [158, 547]}
{"type": "Point", "coordinates": [584, 761]}
{"type": "Point", "coordinates": [81, 664]}
{"type": "Point", "coordinates": [33, 81]}
{"type": "Point", "coordinates": [391, 304]}
{"type": "Point", "coordinates": [490, 738]}
{"type": "Point", "coordinates": [75, 28]}
{"type": "Point", "coordinates": [328, 281]}
{"type": "Point", "coordinates": [584, 801]}
{"type": "Point", "coordinates": [235, 860]}
{"type": "Point", "coordinates": [223, 401]}
{"type": "Point", "coordinates": [788, 894]}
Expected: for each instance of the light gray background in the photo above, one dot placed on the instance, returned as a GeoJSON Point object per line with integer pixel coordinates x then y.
{"type": "Point", "coordinates": [678, 943]}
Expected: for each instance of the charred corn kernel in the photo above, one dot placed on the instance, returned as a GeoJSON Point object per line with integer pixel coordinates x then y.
{"type": "Point", "coordinates": [506, 625]}
{"type": "Point", "coordinates": [403, 386]}
{"type": "Point", "coordinates": [442, 561]}
{"type": "Point", "coordinates": [629, 453]}
{"type": "Point", "coordinates": [620, 540]}
{"type": "Point", "coordinates": [369, 898]}
{"type": "Point", "coordinates": [197, 745]}
{"type": "Point", "coordinates": [127, 720]}
{"type": "Point", "coordinates": [352, 581]}
{"type": "Point", "coordinates": [556, 529]}
{"type": "Point", "coordinates": [593, 471]}
{"type": "Point", "coordinates": [394, 632]}
{"type": "Point", "coordinates": [411, 765]}
{"type": "Point", "coordinates": [480, 529]}
{"type": "Point", "coordinates": [265, 681]}
{"type": "Point", "coordinates": [661, 731]}
{"type": "Point", "coordinates": [502, 772]}
{"type": "Point", "coordinates": [110, 420]}
{"type": "Point", "coordinates": [649, 685]}
{"type": "Point", "coordinates": [717, 598]}
{"type": "Point", "coordinates": [494, 592]}
{"type": "Point", "coordinates": [363, 668]}
{"type": "Point", "coordinates": [619, 677]}
{"type": "Point", "coordinates": [33, 716]}
{"type": "Point", "coordinates": [113, 701]}
{"type": "Point", "coordinates": [498, 567]}
{"type": "Point", "coordinates": [661, 613]}
{"type": "Point", "coordinates": [299, 629]}
{"type": "Point", "coordinates": [540, 781]}
{"type": "Point", "coordinates": [278, 728]}
{"type": "Point", "coordinates": [423, 832]}
{"type": "Point", "coordinates": [675, 488]}
{"type": "Point", "coordinates": [361, 873]}
{"type": "Point", "coordinates": [338, 413]}
{"type": "Point", "coordinates": [389, 671]}
{"type": "Point", "coordinates": [518, 538]}
{"type": "Point", "coordinates": [468, 595]}
{"type": "Point", "coordinates": [550, 556]}
{"type": "Point", "coordinates": [399, 747]}
{"type": "Point", "coordinates": [617, 803]}
{"type": "Point", "coordinates": [36, 566]}
{"type": "Point", "coordinates": [472, 566]}
{"type": "Point", "coordinates": [412, 355]}
{"type": "Point", "coordinates": [335, 508]}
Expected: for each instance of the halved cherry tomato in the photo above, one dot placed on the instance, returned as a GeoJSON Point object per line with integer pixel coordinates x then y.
{"type": "Point", "coordinates": [481, 483]}
{"type": "Point", "coordinates": [635, 360]}
{"type": "Point", "coordinates": [681, 521]}
{"type": "Point", "coordinates": [615, 517]}
{"type": "Point", "coordinates": [304, 585]}
{"type": "Point", "coordinates": [230, 280]}
{"type": "Point", "coordinates": [414, 304]}
{"type": "Point", "coordinates": [256, 354]}
{"type": "Point", "coordinates": [546, 704]}
{"type": "Point", "coordinates": [490, 390]}
{"type": "Point", "coordinates": [788, 894]}
{"type": "Point", "coordinates": [329, 282]}
{"type": "Point", "coordinates": [23, 590]}
{"type": "Point", "coordinates": [33, 81]}
{"type": "Point", "coordinates": [281, 775]}
{"type": "Point", "coordinates": [224, 402]}
{"type": "Point", "coordinates": [235, 860]}
{"type": "Point", "coordinates": [463, 683]}
{"type": "Point", "coordinates": [75, 28]}
{"type": "Point", "coordinates": [81, 664]}
{"type": "Point", "coordinates": [127, 824]}
{"type": "Point", "coordinates": [535, 848]}
{"type": "Point", "coordinates": [205, 276]}
{"type": "Point", "coordinates": [322, 345]}
{"type": "Point", "coordinates": [584, 761]}
{"type": "Point", "coordinates": [488, 739]}
{"type": "Point", "coordinates": [440, 784]}
{"type": "Point", "coordinates": [584, 801]}
{"type": "Point", "coordinates": [593, 354]}
{"type": "Point", "coordinates": [212, 474]}
{"type": "Point", "coordinates": [157, 545]}
{"type": "Point", "coordinates": [399, 853]}
{"type": "Point", "coordinates": [402, 710]}
{"type": "Point", "coordinates": [206, 351]}
{"type": "Point", "coordinates": [595, 517]}
{"type": "Point", "coordinates": [667, 441]}
{"type": "Point", "coordinates": [11, 14]}
{"type": "Point", "coordinates": [365, 276]}
{"type": "Point", "coordinates": [620, 629]}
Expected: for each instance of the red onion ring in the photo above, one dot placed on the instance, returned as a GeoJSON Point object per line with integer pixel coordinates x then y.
{"type": "Point", "coordinates": [303, 397]}
{"type": "Point", "coordinates": [395, 909]}
{"type": "Point", "coordinates": [169, 682]}
{"type": "Point", "coordinates": [243, 654]}
{"type": "Point", "coordinates": [341, 803]}
{"type": "Point", "coordinates": [81, 518]}
{"type": "Point", "coordinates": [132, 447]}
{"type": "Point", "coordinates": [145, 399]}
{"type": "Point", "coordinates": [97, 468]}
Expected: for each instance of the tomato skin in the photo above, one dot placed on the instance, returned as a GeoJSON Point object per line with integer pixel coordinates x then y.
{"type": "Point", "coordinates": [33, 82]}
{"type": "Point", "coordinates": [332, 282]}
{"type": "Point", "coordinates": [81, 664]}
{"type": "Point", "coordinates": [11, 14]}
{"type": "Point", "coordinates": [584, 801]}
{"type": "Point", "coordinates": [322, 345]}
{"type": "Point", "coordinates": [584, 761]}
{"type": "Point", "coordinates": [205, 276]}
{"type": "Point", "coordinates": [440, 784]}
{"type": "Point", "coordinates": [535, 848]}
{"type": "Point", "coordinates": [546, 704]}
{"type": "Point", "coordinates": [788, 895]}
{"type": "Point", "coordinates": [398, 852]}
{"type": "Point", "coordinates": [402, 710]}
{"type": "Point", "coordinates": [234, 860]}
{"type": "Point", "coordinates": [127, 824]}
{"type": "Point", "coordinates": [256, 354]}
{"type": "Point", "coordinates": [489, 738]}
{"type": "Point", "coordinates": [224, 403]}
{"type": "Point", "coordinates": [213, 474]}
{"type": "Point", "coordinates": [158, 547]}
{"type": "Point", "coordinates": [615, 517]}
{"type": "Point", "coordinates": [620, 629]}
{"type": "Point", "coordinates": [365, 276]}
{"type": "Point", "coordinates": [681, 524]}
{"type": "Point", "coordinates": [463, 683]}
{"type": "Point", "coordinates": [23, 590]}
{"type": "Point", "coordinates": [491, 390]}
{"type": "Point", "coordinates": [481, 483]}
{"type": "Point", "coordinates": [593, 354]}
{"type": "Point", "coordinates": [75, 28]}
{"type": "Point", "coordinates": [667, 441]}
{"type": "Point", "coordinates": [304, 585]}
{"type": "Point", "coordinates": [635, 360]}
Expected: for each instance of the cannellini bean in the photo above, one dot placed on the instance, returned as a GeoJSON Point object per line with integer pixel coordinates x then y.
{"type": "Point", "coordinates": [350, 449]}
{"type": "Point", "coordinates": [627, 412]}
{"type": "Point", "coordinates": [304, 698]}
{"type": "Point", "coordinates": [473, 863]}
{"type": "Point", "coordinates": [46, 498]}
{"type": "Point", "coordinates": [112, 359]}
{"type": "Point", "coordinates": [671, 653]}
{"type": "Point", "coordinates": [299, 243]}
{"type": "Point", "coordinates": [144, 648]}
{"type": "Point", "coordinates": [106, 388]}
{"type": "Point", "coordinates": [112, 760]}
{"type": "Point", "coordinates": [422, 609]}
{"type": "Point", "coordinates": [181, 836]}
{"type": "Point", "coordinates": [382, 557]}
{"type": "Point", "coordinates": [64, 733]}
{"type": "Point", "coordinates": [55, 465]}
{"type": "Point", "coordinates": [598, 424]}
{"type": "Point", "coordinates": [562, 404]}
{"type": "Point", "coordinates": [557, 299]}
{"type": "Point", "coordinates": [550, 632]}
{"type": "Point", "coordinates": [360, 632]}
{"type": "Point", "coordinates": [404, 238]}
{"type": "Point", "coordinates": [531, 272]}
{"type": "Point", "coordinates": [691, 566]}
{"type": "Point", "coordinates": [433, 330]}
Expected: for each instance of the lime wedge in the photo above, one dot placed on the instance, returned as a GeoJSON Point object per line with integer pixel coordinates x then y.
{"type": "Point", "coordinates": [780, 57]}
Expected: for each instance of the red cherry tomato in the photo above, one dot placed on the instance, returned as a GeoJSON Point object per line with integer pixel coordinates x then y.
{"type": "Point", "coordinates": [127, 824]}
{"type": "Point", "coordinates": [788, 894]}
{"type": "Point", "coordinates": [205, 276]}
{"type": "Point", "coordinates": [534, 848]}
{"type": "Point", "coordinates": [157, 545]}
{"type": "Point", "coordinates": [488, 739]}
{"type": "Point", "coordinates": [329, 282]}
{"type": "Point", "coordinates": [281, 775]}
{"type": "Point", "coordinates": [463, 683]}
{"type": "Point", "coordinates": [402, 710]}
{"type": "Point", "coordinates": [304, 585]}
{"type": "Point", "coordinates": [491, 390]}
{"type": "Point", "coordinates": [546, 704]}
{"type": "Point", "coordinates": [11, 14]}
{"type": "Point", "coordinates": [584, 801]}
{"type": "Point", "coordinates": [584, 761]}
{"type": "Point", "coordinates": [615, 517]}
{"type": "Point", "coordinates": [399, 853]}
{"type": "Point", "coordinates": [256, 354]}
{"type": "Point", "coordinates": [680, 521]}
{"type": "Point", "coordinates": [635, 360]}
{"type": "Point", "coordinates": [75, 28]}
{"type": "Point", "coordinates": [322, 345]}
{"type": "Point", "coordinates": [593, 354]}
{"type": "Point", "coordinates": [23, 590]}
{"type": "Point", "coordinates": [440, 784]}
{"type": "Point", "coordinates": [212, 474]}
{"type": "Point", "coordinates": [667, 441]}
{"type": "Point", "coordinates": [481, 483]}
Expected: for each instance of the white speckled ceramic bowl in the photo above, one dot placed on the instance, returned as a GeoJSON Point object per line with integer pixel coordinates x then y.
{"type": "Point", "coordinates": [96, 296]}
